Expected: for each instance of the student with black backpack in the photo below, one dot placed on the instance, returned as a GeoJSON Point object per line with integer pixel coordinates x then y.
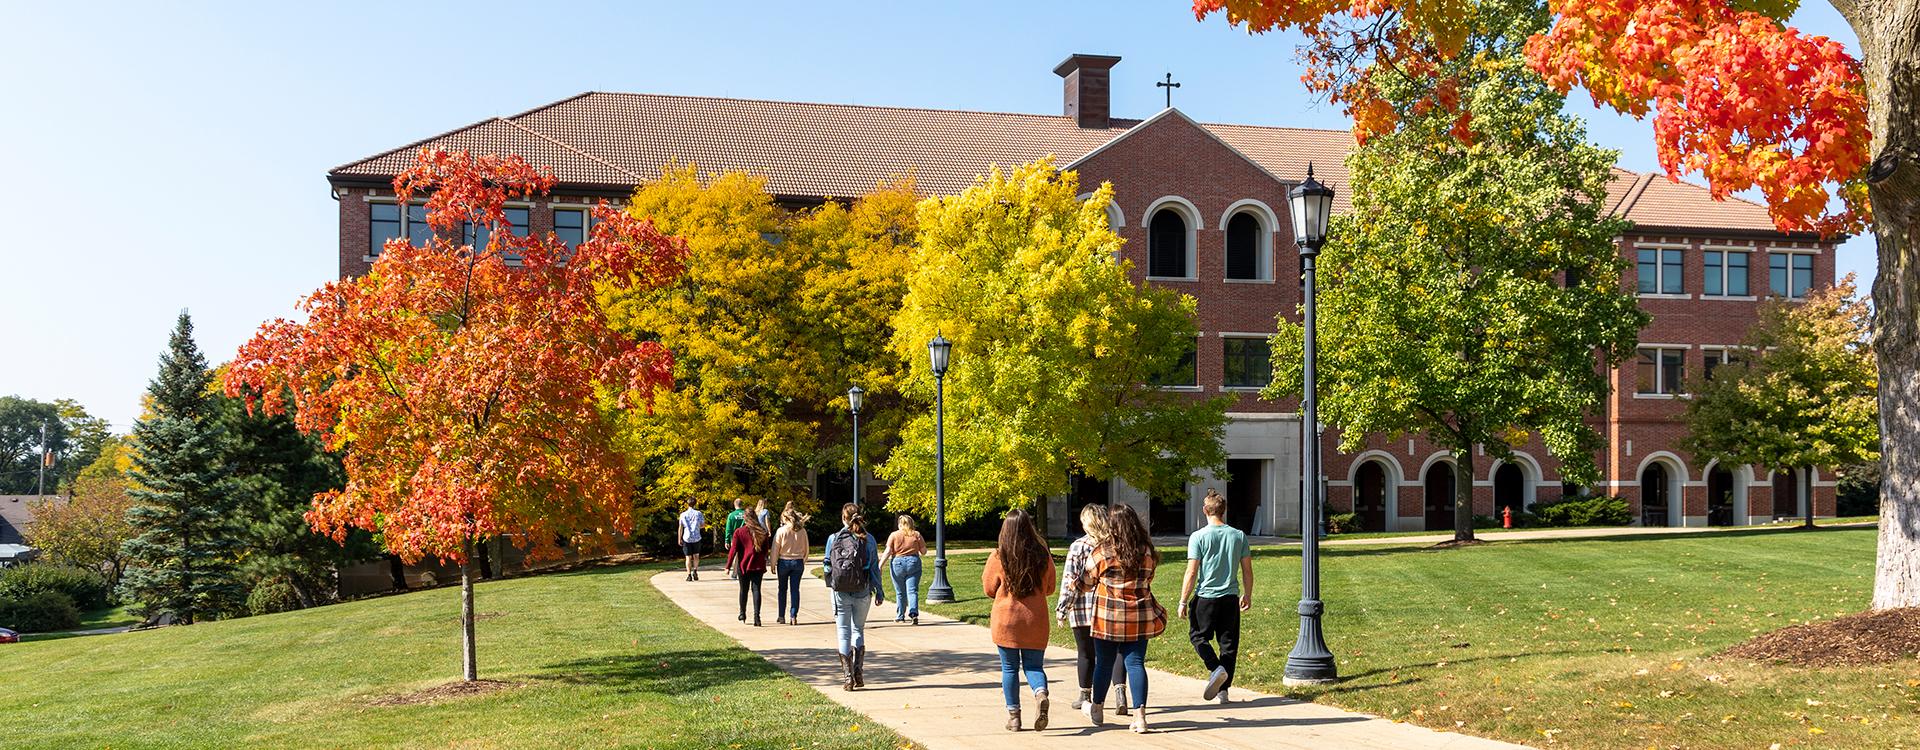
{"type": "Point", "coordinates": [852, 567]}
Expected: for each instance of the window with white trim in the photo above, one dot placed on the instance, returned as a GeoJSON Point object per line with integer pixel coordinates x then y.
{"type": "Point", "coordinates": [1167, 250]}
{"type": "Point", "coordinates": [479, 235]}
{"type": "Point", "coordinates": [1662, 370]}
{"type": "Point", "coordinates": [1660, 271]}
{"type": "Point", "coordinates": [1243, 247]}
{"type": "Point", "coordinates": [570, 225]}
{"type": "Point", "coordinates": [1726, 273]}
{"type": "Point", "coordinates": [1185, 372]}
{"type": "Point", "coordinates": [1789, 275]}
{"type": "Point", "coordinates": [1246, 362]}
{"type": "Point", "coordinates": [1720, 356]}
{"type": "Point", "coordinates": [385, 221]}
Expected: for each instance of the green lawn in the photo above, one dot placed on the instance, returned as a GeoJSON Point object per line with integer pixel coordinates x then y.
{"type": "Point", "coordinates": [1603, 643]}
{"type": "Point", "coordinates": [601, 659]}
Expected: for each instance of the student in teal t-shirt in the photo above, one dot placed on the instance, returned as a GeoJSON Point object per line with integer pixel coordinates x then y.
{"type": "Point", "coordinates": [1210, 597]}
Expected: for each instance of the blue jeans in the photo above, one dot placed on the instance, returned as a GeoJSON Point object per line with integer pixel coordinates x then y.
{"type": "Point", "coordinates": [906, 586]}
{"type": "Point", "coordinates": [1133, 654]}
{"type": "Point", "coordinates": [788, 583]}
{"type": "Point", "coordinates": [1012, 662]}
{"type": "Point", "coordinates": [850, 619]}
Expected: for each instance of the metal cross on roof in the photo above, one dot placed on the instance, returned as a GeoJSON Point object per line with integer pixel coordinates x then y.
{"type": "Point", "coordinates": [1169, 85]}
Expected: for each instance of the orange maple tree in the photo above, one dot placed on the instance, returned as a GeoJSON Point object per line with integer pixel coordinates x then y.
{"type": "Point", "coordinates": [469, 387]}
{"type": "Point", "coordinates": [1737, 96]}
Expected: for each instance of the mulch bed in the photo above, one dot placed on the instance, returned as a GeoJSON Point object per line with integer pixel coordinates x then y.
{"type": "Point", "coordinates": [1452, 543]}
{"type": "Point", "coordinates": [438, 693]}
{"type": "Point", "coordinates": [1866, 638]}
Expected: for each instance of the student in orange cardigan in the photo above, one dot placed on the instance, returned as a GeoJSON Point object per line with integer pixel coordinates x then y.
{"type": "Point", "coordinates": [1019, 577]}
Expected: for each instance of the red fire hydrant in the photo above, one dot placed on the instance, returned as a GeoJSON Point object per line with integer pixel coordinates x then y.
{"type": "Point", "coordinates": [1506, 517]}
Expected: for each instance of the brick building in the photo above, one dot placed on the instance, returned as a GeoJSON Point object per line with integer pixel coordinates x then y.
{"type": "Point", "coordinates": [1203, 209]}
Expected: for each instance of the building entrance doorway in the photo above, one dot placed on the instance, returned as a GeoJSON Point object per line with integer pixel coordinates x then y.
{"type": "Point", "coordinates": [1786, 494]}
{"type": "Point", "coordinates": [1439, 496]}
{"type": "Point", "coordinates": [1244, 492]}
{"type": "Point", "coordinates": [1168, 514]}
{"type": "Point", "coordinates": [1509, 490]}
{"type": "Point", "coordinates": [1370, 496]}
{"type": "Point", "coordinates": [1655, 495]}
{"type": "Point", "coordinates": [1720, 497]}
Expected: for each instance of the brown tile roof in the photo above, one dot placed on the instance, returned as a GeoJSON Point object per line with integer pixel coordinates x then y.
{"type": "Point", "coordinates": [614, 141]}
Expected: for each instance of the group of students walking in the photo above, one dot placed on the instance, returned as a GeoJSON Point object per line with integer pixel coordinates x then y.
{"type": "Point", "coordinates": [1105, 596]}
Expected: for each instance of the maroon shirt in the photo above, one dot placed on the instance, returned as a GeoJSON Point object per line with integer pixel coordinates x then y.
{"type": "Point", "coordinates": [744, 555]}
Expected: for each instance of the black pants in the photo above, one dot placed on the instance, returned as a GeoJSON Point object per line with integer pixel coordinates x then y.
{"type": "Point", "coordinates": [1215, 619]}
{"type": "Point", "coordinates": [1083, 643]}
{"type": "Point", "coordinates": [751, 581]}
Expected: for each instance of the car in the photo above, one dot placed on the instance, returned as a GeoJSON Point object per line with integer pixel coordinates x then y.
{"type": "Point", "coordinates": [8, 636]}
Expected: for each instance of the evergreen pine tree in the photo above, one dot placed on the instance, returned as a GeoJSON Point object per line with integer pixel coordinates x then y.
{"type": "Point", "coordinates": [183, 558]}
{"type": "Point", "coordinates": [277, 470]}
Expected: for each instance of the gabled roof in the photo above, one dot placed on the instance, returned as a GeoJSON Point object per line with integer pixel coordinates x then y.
{"type": "Point", "coordinates": [613, 141]}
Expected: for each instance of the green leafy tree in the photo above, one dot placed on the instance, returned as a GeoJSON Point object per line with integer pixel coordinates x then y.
{"type": "Point", "coordinates": [276, 471]}
{"type": "Point", "coordinates": [1473, 294]}
{"type": "Point", "coordinates": [183, 559]}
{"type": "Point", "coordinates": [1801, 392]}
{"type": "Point", "coordinates": [21, 420]}
{"type": "Point", "coordinates": [1054, 347]}
{"type": "Point", "coordinates": [87, 436]}
{"type": "Point", "coordinates": [777, 315]}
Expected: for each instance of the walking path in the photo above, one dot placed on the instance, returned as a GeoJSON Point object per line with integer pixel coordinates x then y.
{"type": "Point", "coordinates": [939, 685]}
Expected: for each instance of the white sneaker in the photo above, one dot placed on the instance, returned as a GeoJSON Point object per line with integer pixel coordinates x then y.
{"type": "Point", "coordinates": [1140, 721]}
{"type": "Point", "coordinates": [1216, 682]}
{"type": "Point", "coordinates": [1223, 697]}
{"type": "Point", "coordinates": [1095, 714]}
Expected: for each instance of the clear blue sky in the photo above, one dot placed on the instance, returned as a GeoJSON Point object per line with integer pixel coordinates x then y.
{"type": "Point", "coordinates": [169, 156]}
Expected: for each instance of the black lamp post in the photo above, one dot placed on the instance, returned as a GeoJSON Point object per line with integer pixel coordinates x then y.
{"type": "Point", "coordinates": [856, 397]}
{"type": "Point", "coordinates": [1310, 663]}
{"type": "Point", "coordinates": [937, 351]}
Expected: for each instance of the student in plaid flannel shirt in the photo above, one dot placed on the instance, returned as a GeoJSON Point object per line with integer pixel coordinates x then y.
{"type": "Point", "coordinates": [1075, 610]}
{"type": "Point", "coordinates": [1125, 614]}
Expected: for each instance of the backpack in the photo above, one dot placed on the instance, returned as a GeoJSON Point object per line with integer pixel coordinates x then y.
{"type": "Point", "coordinates": [847, 563]}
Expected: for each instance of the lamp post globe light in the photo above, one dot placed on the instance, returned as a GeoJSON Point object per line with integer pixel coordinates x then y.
{"type": "Point", "coordinates": [1310, 663]}
{"type": "Point", "coordinates": [938, 350]}
{"type": "Point", "coordinates": [855, 397]}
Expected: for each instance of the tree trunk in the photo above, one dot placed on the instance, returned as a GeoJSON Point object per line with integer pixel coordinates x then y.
{"type": "Point", "coordinates": [1806, 491]}
{"type": "Point", "coordinates": [470, 669]}
{"type": "Point", "coordinates": [1889, 32]}
{"type": "Point", "coordinates": [397, 570]}
{"type": "Point", "coordinates": [1463, 494]}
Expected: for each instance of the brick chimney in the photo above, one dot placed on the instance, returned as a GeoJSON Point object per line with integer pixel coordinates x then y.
{"type": "Point", "coordinates": [1088, 99]}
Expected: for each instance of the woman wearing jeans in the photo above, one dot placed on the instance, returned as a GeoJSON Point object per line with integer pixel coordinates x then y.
{"type": "Point", "coordinates": [852, 565]}
{"type": "Point", "coordinates": [1076, 610]}
{"type": "Point", "coordinates": [1019, 576]}
{"type": "Point", "coordinates": [1125, 614]}
{"type": "Point", "coordinates": [790, 561]}
{"type": "Point", "coordinates": [904, 549]}
{"type": "Point", "coordinates": [747, 556]}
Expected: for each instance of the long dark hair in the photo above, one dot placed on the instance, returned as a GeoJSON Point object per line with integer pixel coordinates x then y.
{"type": "Point", "coordinates": [1023, 554]}
{"type": "Point", "coordinates": [850, 516]}
{"type": "Point", "coordinates": [760, 534]}
{"type": "Point", "coordinates": [1128, 538]}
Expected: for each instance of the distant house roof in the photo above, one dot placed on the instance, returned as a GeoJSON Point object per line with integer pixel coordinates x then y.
{"type": "Point", "coordinates": [16, 517]}
{"type": "Point", "coordinates": [613, 141]}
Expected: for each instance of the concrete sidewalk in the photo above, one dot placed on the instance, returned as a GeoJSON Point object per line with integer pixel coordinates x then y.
{"type": "Point", "coordinates": [939, 685]}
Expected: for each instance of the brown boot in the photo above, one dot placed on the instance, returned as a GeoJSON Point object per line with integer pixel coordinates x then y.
{"type": "Point", "coordinates": [1013, 720]}
{"type": "Point", "coordinates": [1040, 717]}
{"type": "Point", "coordinates": [846, 668]}
{"type": "Point", "coordinates": [859, 666]}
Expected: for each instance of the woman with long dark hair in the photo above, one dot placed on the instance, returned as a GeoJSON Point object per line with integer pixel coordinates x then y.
{"type": "Point", "coordinates": [1125, 614]}
{"type": "Point", "coordinates": [852, 566]}
{"type": "Point", "coordinates": [1019, 577]}
{"type": "Point", "coordinates": [747, 556]}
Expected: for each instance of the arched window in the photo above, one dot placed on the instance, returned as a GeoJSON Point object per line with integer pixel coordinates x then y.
{"type": "Point", "coordinates": [1243, 247]}
{"type": "Point", "coordinates": [1167, 249]}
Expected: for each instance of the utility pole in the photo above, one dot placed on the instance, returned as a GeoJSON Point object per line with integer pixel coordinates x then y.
{"type": "Point", "coordinates": [42, 490]}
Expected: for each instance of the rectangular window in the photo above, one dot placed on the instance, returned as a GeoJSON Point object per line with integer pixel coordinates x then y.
{"type": "Point", "coordinates": [1660, 271]}
{"type": "Point", "coordinates": [383, 223]}
{"type": "Point", "coordinates": [479, 235]}
{"type": "Point", "coordinates": [1726, 274]}
{"type": "Point", "coordinates": [1662, 371]}
{"type": "Point", "coordinates": [1185, 372]}
{"type": "Point", "coordinates": [419, 232]}
{"type": "Point", "coordinates": [570, 224]}
{"type": "Point", "coordinates": [1789, 275]}
{"type": "Point", "coordinates": [1719, 357]}
{"type": "Point", "coordinates": [1248, 363]}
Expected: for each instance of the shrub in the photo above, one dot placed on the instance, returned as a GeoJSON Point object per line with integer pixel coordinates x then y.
{"type": "Point", "coordinates": [273, 595]}
{"type": "Point", "coordinates": [1597, 510]}
{"type": "Point", "coordinates": [86, 589]}
{"type": "Point", "coordinates": [1343, 523]}
{"type": "Point", "coordinates": [39, 612]}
